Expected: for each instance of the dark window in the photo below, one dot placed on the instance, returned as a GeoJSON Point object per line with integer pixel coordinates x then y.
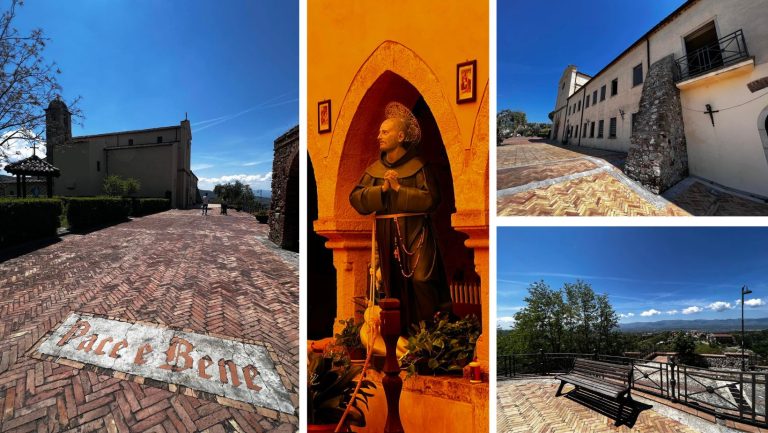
{"type": "Point", "coordinates": [592, 130]}
{"type": "Point", "coordinates": [602, 93]}
{"type": "Point", "coordinates": [615, 87]}
{"type": "Point", "coordinates": [612, 128]}
{"type": "Point", "coordinates": [568, 111]}
{"type": "Point", "coordinates": [577, 132]}
{"type": "Point", "coordinates": [160, 139]}
{"type": "Point", "coordinates": [130, 141]}
{"type": "Point", "coordinates": [579, 109]}
{"type": "Point", "coordinates": [600, 126]}
{"type": "Point", "coordinates": [702, 50]}
{"type": "Point", "coordinates": [563, 86]}
{"type": "Point", "coordinates": [98, 165]}
{"type": "Point", "coordinates": [584, 130]}
{"type": "Point", "coordinates": [594, 97]}
{"type": "Point", "coordinates": [586, 104]}
{"type": "Point", "coordinates": [637, 75]}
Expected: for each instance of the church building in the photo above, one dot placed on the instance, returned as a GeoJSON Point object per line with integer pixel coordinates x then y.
{"type": "Point", "coordinates": [689, 98]}
{"type": "Point", "coordinates": [159, 158]}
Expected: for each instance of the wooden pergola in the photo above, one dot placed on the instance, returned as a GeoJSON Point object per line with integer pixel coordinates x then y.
{"type": "Point", "coordinates": [32, 166]}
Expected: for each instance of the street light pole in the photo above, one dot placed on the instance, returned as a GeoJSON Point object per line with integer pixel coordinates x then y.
{"type": "Point", "coordinates": [744, 291]}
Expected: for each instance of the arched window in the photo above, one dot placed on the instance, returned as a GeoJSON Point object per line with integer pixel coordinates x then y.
{"type": "Point", "coordinates": [762, 128]}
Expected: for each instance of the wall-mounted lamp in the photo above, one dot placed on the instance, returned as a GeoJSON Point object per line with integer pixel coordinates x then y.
{"type": "Point", "coordinates": [621, 111]}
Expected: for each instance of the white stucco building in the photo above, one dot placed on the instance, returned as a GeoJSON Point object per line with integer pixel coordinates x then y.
{"type": "Point", "coordinates": [717, 55]}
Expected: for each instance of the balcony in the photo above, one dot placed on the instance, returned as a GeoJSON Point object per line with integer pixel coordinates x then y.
{"type": "Point", "coordinates": [728, 53]}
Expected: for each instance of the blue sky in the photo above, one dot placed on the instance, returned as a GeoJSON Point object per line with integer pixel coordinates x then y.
{"type": "Point", "coordinates": [232, 66]}
{"type": "Point", "coordinates": [649, 274]}
{"type": "Point", "coordinates": [538, 39]}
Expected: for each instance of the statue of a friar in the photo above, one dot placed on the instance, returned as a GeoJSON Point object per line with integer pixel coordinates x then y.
{"type": "Point", "coordinates": [402, 193]}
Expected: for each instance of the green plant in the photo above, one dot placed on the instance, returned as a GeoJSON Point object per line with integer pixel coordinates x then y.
{"type": "Point", "coordinates": [22, 219]}
{"type": "Point", "coordinates": [331, 382]}
{"type": "Point", "coordinates": [146, 206]}
{"type": "Point", "coordinates": [350, 335]}
{"type": "Point", "coordinates": [443, 347]}
{"type": "Point", "coordinates": [84, 212]}
{"type": "Point", "coordinates": [116, 186]}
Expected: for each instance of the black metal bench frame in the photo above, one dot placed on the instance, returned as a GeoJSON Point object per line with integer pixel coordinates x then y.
{"type": "Point", "coordinates": [611, 380]}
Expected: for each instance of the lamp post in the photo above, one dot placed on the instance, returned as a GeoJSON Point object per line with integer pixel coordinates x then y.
{"type": "Point", "coordinates": [744, 291]}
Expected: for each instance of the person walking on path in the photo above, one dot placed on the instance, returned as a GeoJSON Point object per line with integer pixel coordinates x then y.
{"type": "Point", "coordinates": [205, 204]}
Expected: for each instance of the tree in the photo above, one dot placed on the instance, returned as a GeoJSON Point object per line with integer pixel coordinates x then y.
{"type": "Point", "coordinates": [117, 186]}
{"type": "Point", "coordinates": [684, 345]}
{"type": "Point", "coordinates": [27, 84]}
{"type": "Point", "coordinates": [235, 194]}
{"type": "Point", "coordinates": [583, 313]}
{"type": "Point", "coordinates": [573, 318]}
{"type": "Point", "coordinates": [607, 320]}
{"type": "Point", "coordinates": [508, 123]}
{"type": "Point", "coordinates": [541, 321]}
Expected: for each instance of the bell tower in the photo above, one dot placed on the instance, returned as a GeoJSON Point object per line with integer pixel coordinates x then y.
{"type": "Point", "coordinates": [58, 127]}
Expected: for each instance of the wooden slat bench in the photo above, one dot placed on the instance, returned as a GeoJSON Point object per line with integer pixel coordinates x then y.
{"type": "Point", "coordinates": [611, 380]}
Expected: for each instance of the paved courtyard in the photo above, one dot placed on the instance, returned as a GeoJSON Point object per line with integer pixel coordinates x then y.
{"type": "Point", "coordinates": [530, 406]}
{"type": "Point", "coordinates": [217, 275]}
{"type": "Point", "coordinates": [535, 177]}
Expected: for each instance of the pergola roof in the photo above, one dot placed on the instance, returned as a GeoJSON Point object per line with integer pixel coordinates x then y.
{"type": "Point", "coordinates": [32, 166]}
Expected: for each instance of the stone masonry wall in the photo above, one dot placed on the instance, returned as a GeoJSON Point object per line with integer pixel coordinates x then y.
{"type": "Point", "coordinates": [284, 211]}
{"type": "Point", "coordinates": [658, 155]}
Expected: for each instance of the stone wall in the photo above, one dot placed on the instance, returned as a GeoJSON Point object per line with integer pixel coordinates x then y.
{"type": "Point", "coordinates": [658, 156]}
{"type": "Point", "coordinates": [721, 361]}
{"type": "Point", "coordinates": [284, 212]}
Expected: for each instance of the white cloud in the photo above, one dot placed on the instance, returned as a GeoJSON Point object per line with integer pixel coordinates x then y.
{"type": "Point", "coordinates": [505, 322]}
{"type": "Point", "coordinates": [257, 181]}
{"type": "Point", "coordinates": [692, 310]}
{"type": "Point", "coordinates": [201, 166]}
{"type": "Point", "coordinates": [671, 312]}
{"type": "Point", "coordinates": [757, 302]}
{"type": "Point", "coordinates": [17, 149]}
{"type": "Point", "coordinates": [626, 316]}
{"type": "Point", "coordinates": [650, 313]}
{"type": "Point", "coordinates": [720, 306]}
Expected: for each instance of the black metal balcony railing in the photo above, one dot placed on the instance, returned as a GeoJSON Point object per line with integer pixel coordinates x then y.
{"type": "Point", "coordinates": [728, 50]}
{"type": "Point", "coordinates": [728, 394]}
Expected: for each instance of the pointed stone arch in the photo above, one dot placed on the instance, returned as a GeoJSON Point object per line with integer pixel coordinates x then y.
{"type": "Point", "coordinates": [393, 67]}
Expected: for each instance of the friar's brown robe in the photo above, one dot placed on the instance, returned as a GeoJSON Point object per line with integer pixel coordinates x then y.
{"type": "Point", "coordinates": [426, 291]}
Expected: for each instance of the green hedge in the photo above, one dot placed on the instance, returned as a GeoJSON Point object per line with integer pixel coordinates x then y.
{"type": "Point", "coordinates": [85, 212]}
{"type": "Point", "coordinates": [146, 206]}
{"type": "Point", "coordinates": [29, 218]}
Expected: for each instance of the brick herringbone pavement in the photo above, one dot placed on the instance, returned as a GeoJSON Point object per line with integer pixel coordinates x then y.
{"type": "Point", "coordinates": [698, 199]}
{"type": "Point", "coordinates": [531, 407]}
{"type": "Point", "coordinates": [516, 176]}
{"type": "Point", "coordinates": [217, 275]}
{"type": "Point", "coordinates": [524, 162]}
{"type": "Point", "coordinates": [599, 194]}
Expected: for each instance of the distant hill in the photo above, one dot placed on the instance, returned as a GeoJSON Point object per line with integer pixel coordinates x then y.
{"type": "Point", "coordinates": [210, 193]}
{"type": "Point", "coordinates": [699, 325]}
{"type": "Point", "coordinates": [266, 194]}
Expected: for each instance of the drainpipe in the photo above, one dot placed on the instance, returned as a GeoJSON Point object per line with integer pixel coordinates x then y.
{"type": "Point", "coordinates": [581, 120]}
{"type": "Point", "coordinates": [648, 53]}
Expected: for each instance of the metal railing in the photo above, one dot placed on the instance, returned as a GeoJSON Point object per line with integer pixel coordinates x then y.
{"type": "Point", "coordinates": [727, 394]}
{"type": "Point", "coordinates": [726, 51]}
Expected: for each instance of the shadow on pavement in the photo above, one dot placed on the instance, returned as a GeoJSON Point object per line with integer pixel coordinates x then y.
{"type": "Point", "coordinates": [13, 251]}
{"type": "Point", "coordinates": [609, 408]}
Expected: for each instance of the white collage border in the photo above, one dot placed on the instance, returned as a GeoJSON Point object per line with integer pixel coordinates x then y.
{"type": "Point", "coordinates": [494, 221]}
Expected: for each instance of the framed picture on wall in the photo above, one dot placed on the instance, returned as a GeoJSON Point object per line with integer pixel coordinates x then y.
{"type": "Point", "coordinates": [324, 116]}
{"type": "Point", "coordinates": [466, 85]}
